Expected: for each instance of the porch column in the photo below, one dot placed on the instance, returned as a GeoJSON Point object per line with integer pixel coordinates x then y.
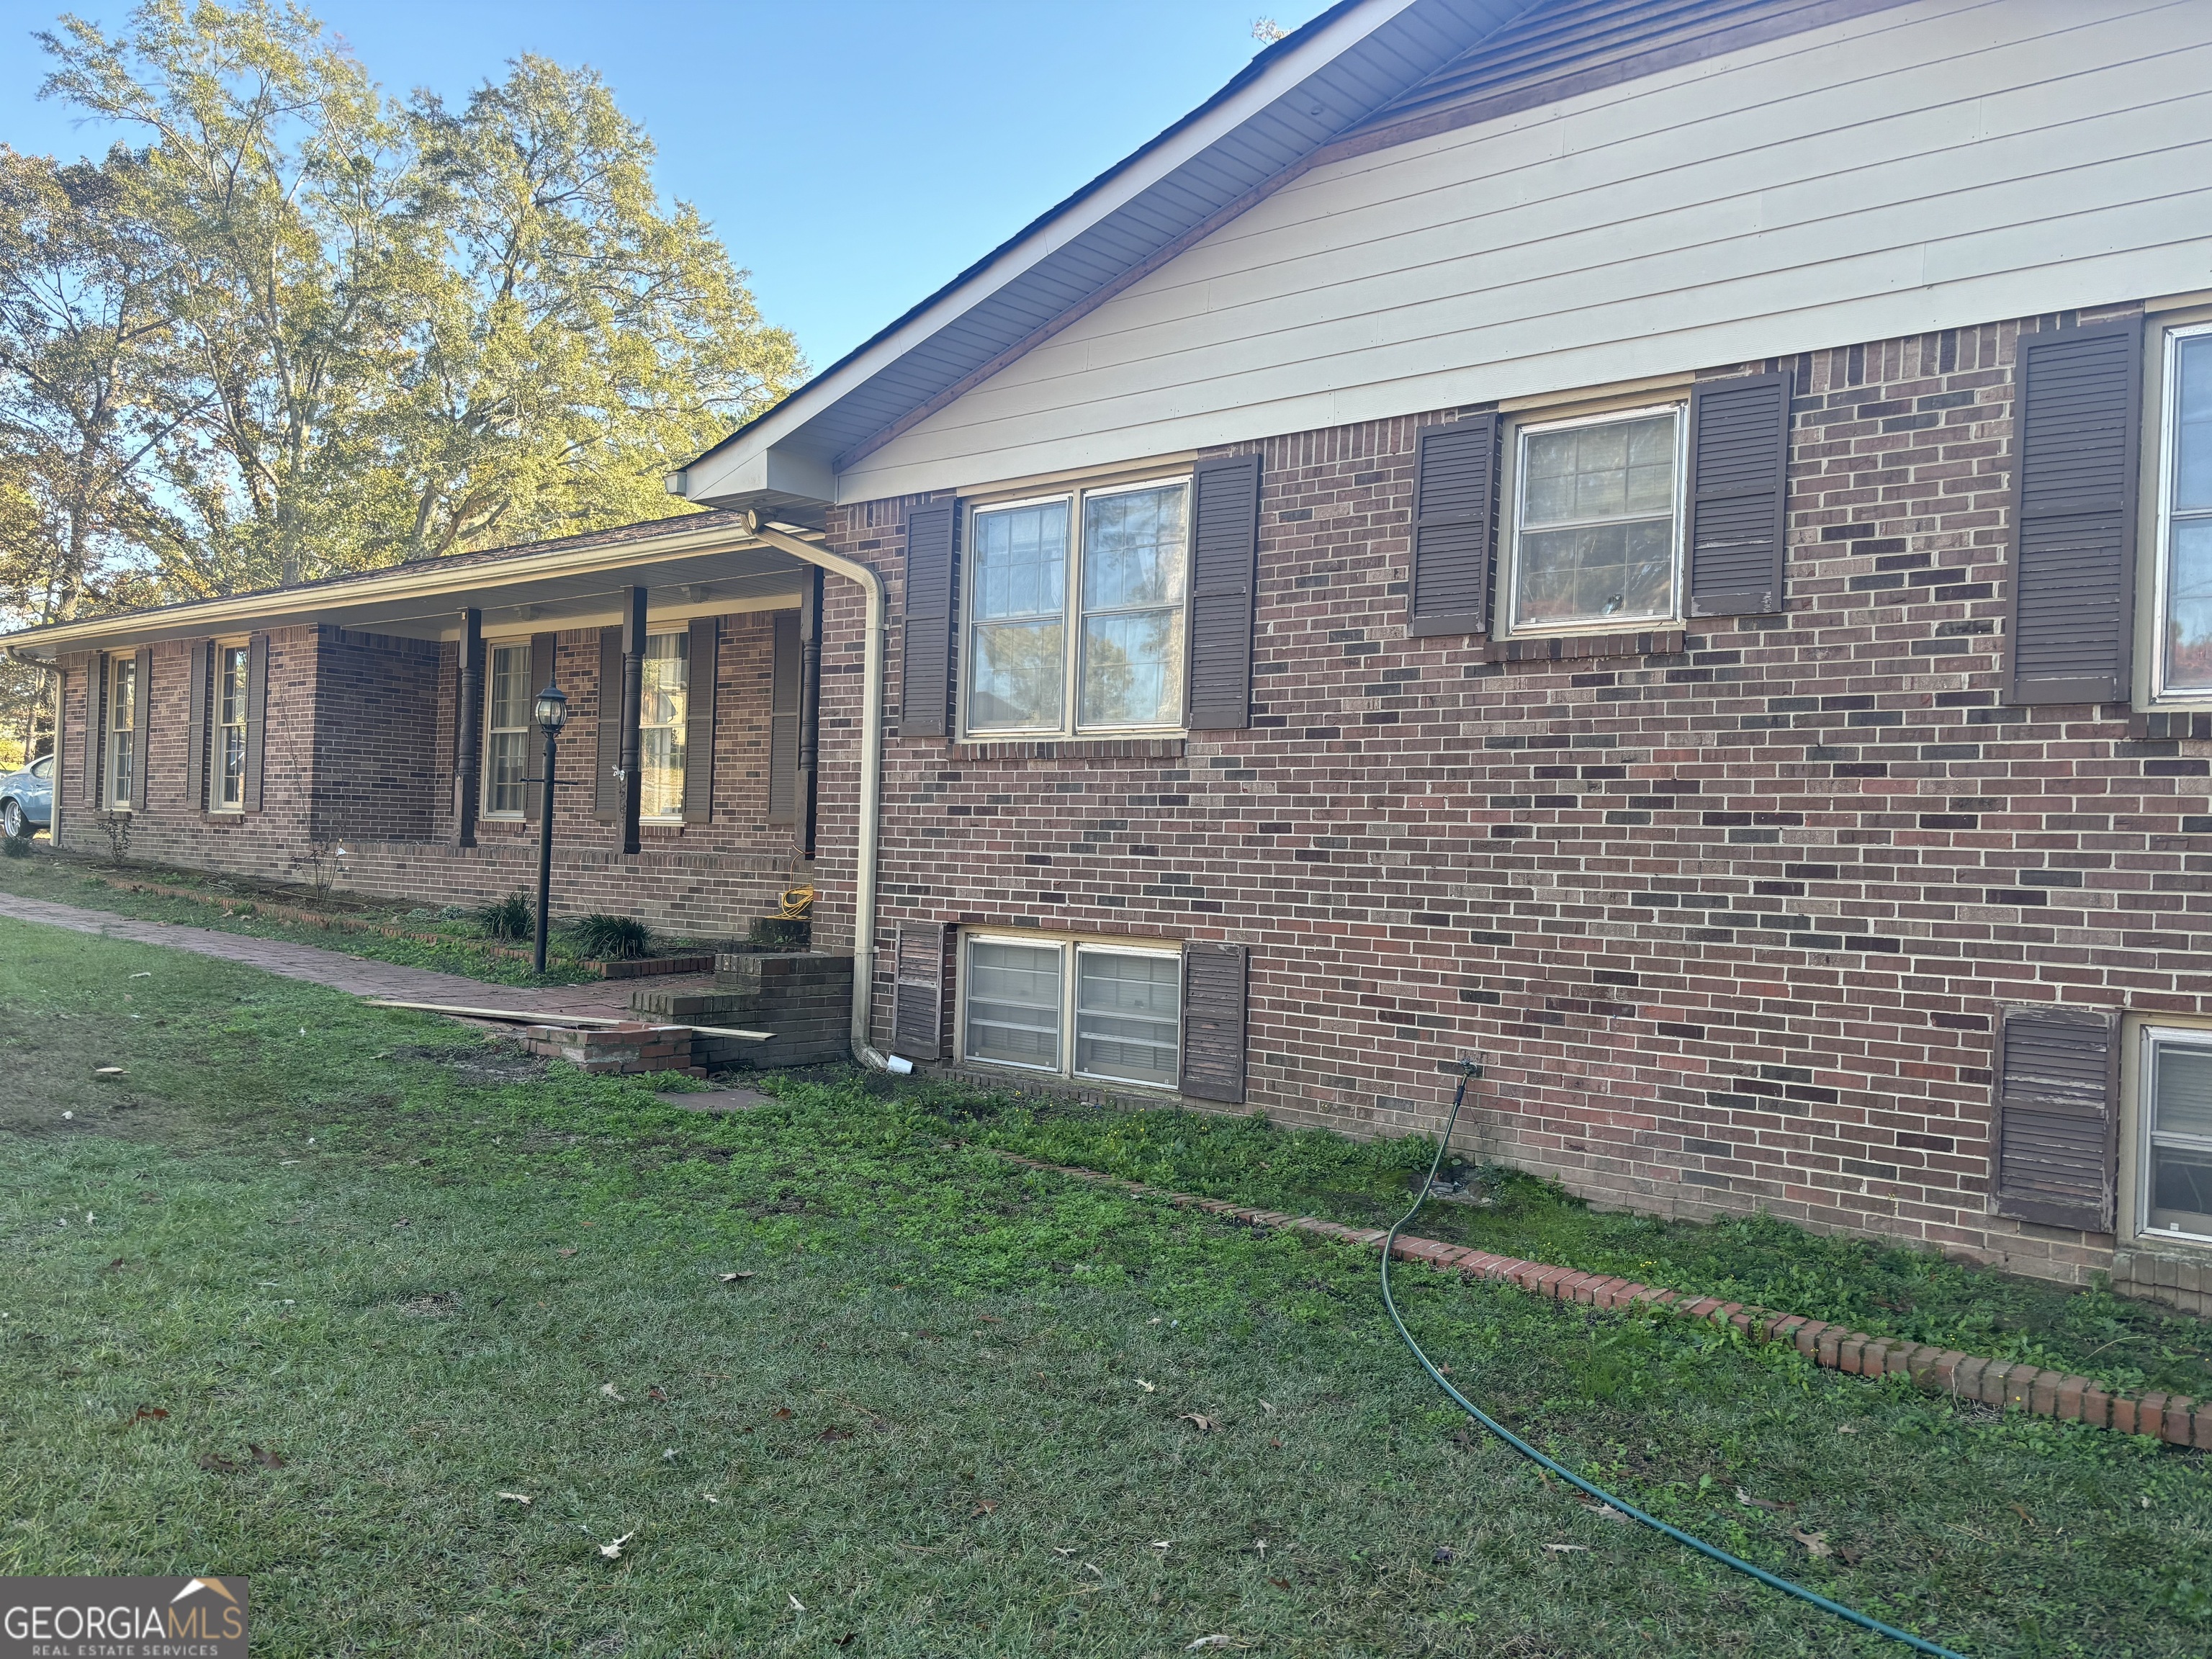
{"type": "Point", "coordinates": [633, 704]}
{"type": "Point", "coordinates": [468, 730]}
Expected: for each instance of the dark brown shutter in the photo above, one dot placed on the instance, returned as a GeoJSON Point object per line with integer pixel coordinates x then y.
{"type": "Point", "coordinates": [1214, 1022]}
{"type": "Point", "coordinates": [607, 788]}
{"type": "Point", "coordinates": [196, 726]}
{"type": "Point", "coordinates": [2070, 613]}
{"type": "Point", "coordinates": [141, 724]}
{"type": "Point", "coordinates": [700, 663]}
{"type": "Point", "coordinates": [925, 657]}
{"type": "Point", "coordinates": [1454, 527]}
{"type": "Point", "coordinates": [918, 989]}
{"type": "Point", "coordinates": [257, 711]}
{"type": "Point", "coordinates": [2056, 1117]}
{"type": "Point", "coordinates": [542, 647]}
{"type": "Point", "coordinates": [95, 727]}
{"type": "Point", "coordinates": [1739, 492]}
{"type": "Point", "coordinates": [1224, 554]}
{"type": "Point", "coordinates": [783, 722]}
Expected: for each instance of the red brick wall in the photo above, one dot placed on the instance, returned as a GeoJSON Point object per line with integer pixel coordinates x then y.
{"type": "Point", "coordinates": [360, 748]}
{"type": "Point", "coordinates": [1731, 922]}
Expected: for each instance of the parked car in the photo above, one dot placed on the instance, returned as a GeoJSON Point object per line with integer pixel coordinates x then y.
{"type": "Point", "coordinates": [26, 798]}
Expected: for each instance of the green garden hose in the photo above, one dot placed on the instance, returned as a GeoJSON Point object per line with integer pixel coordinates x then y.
{"type": "Point", "coordinates": [1472, 1069]}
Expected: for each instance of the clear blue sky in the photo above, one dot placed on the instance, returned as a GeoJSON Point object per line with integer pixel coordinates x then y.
{"type": "Point", "coordinates": [853, 154]}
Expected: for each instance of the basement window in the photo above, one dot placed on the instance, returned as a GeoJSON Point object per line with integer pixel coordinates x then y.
{"type": "Point", "coordinates": [1075, 608]}
{"type": "Point", "coordinates": [2175, 1198]}
{"type": "Point", "coordinates": [1596, 539]}
{"type": "Point", "coordinates": [122, 733]}
{"type": "Point", "coordinates": [1108, 1014]}
{"type": "Point", "coordinates": [507, 715]}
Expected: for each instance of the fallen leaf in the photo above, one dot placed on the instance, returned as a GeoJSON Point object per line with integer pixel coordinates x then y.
{"type": "Point", "coordinates": [834, 1434]}
{"type": "Point", "coordinates": [732, 1279]}
{"type": "Point", "coordinates": [797, 1605]}
{"type": "Point", "coordinates": [1815, 1543]}
{"type": "Point", "coordinates": [522, 1497]}
{"type": "Point", "coordinates": [668, 1456]}
{"type": "Point", "coordinates": [564, 1252]}
{"type": "Point", "coordinates": [613, 1551]}
{"type": "Point", "coordinates": [847, 1639]}
{"type": "Point", "coordinates": [1280, 1584]}
{"type": "Point", "coordinates": [1265, 1407]}
{"type": "Point", "coordinates": [1146, 1386]}
{"type": "Point", "coordinates": [1567, 1549]}
{"type": "Point", "coordinates": [2021, 1511]}
{"type": "Point", "coordinates": [108, 1071]}
{"type": "Point", "coordinates": [148, 1414]}
{"type": "Point", "coordinates": [113, 1265]}
{"type": "Point", "coordinates": [268, 1460]}
{"type": "Point", "coordinates": [1606, 1512]}
{"type": "Point", "coordinates": [1277, 1444]}
{"type": "Point", "coordinates": [656, 1392]}
{"type": "Point", "coordinates": [710, 1497]}
{"type": "Point", "coordinates": [1443, 1555]}
{"type": "Point", "coordinates": [984, 1506]}
{"type": "Point", "coordinates": [214, 1465]}
{"type": "Point", "coordinates": [1766, 1504]}
{"type": "Point", "coordinates": [1207, 1642]}
{"type": "Point", "coordinates": [1163, 1543]}
{"type": "Point", "coordinates": [780, 1412]}
{"type": "Point", "coordinates": [1200, 1421]}
{"type": "Point", "coordinates": [1847, 1428]}
{"type": "Point", "coordinates": [608, 1389]}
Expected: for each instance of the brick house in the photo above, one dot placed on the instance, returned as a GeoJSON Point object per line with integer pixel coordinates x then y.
{"type": "Point", "coordinates": [1667, 545]}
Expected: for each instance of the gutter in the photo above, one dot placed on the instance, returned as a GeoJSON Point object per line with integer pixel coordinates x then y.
{"type": "Point", "coordinates": [872, 778]}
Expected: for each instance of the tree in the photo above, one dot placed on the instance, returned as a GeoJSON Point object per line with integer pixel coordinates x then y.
{"type": "Point", "coordinates": [402, 331]}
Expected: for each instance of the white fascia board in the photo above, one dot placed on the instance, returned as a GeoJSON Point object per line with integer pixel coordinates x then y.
{"type": "Point", "coordinates": [724, 474]}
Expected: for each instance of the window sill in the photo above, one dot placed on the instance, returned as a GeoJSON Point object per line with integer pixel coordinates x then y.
{"type": "Point", "coordinates": [1576, 647]}
{"type": "Point", "coordinates": [1133, 748]}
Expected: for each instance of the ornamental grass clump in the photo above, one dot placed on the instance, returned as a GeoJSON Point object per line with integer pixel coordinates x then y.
{"type": "Point", "coordinates": [511, 917]}
{"type": "Point", "coordinates": [601, 937]}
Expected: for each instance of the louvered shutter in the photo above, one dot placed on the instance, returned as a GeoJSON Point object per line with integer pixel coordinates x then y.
{"type": "Point", "coordinates": [1739, 492]}
{"type": "Point", "coordinates": [926, 656]}
{"type": "Point", "coordinates": [783, 722]}
{"type": "Point", "coordinates": [1225, 546]}
{"type": "Point", "coordinates": [606, 787]}
{"type": "Point", "coordinates": [2056, 1117]}
{"type": "Point", "coordinates": [701, 676]}
{"type": "Point", "coordinates": [2070, 603]}
{"type": "Point", "coordinates": [195, 728]}
{"type": "Point", "coordinates": [95, 726]}
{"type": "Point", "coordinates": [918, 950]}
{"type": "Point", "coordinates": [142, 732]}
{"type": "Point", "coordinates": [1454, 527]}
{"type": "Point", "coordinates": [533, 737]}
{"type": "Point", "coordinates": [257, 721]}
{"type": "Point", "coordinates": [1214, 1022]}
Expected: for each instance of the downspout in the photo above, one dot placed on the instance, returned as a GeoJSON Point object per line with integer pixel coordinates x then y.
{"type": "Point", "coordinates": [871, 774]}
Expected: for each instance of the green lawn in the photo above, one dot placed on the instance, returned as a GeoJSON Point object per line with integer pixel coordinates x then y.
{"type": "Point", "coordinates": [422, 1271]}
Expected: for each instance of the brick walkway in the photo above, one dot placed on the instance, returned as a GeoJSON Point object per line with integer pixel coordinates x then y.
{"type": "Point", "coordinates": [360, 974]}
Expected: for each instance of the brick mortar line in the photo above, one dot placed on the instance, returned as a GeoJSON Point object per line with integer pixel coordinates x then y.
{"type": "Point", "coordinates": [2174, 1419]}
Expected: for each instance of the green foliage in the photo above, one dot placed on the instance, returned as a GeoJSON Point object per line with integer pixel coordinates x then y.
{"type": "Point", "coordinates": [15, 847]}
{"type": "Point", "coordinates": [513, 917]}
{"type": "Point", "coordinates": [780, 932]}
{"type": "Point", "coordinates": [601, 937]}
{"type": "Point", "coordinates": [353, 330]}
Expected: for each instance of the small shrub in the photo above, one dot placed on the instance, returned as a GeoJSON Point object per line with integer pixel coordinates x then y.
{"type": "Point", "coordinates": [610, 938]}
{"type": "Point", "coordinates": [780, 932]}
{"type": "Point", "coordinates": [512, 917]}
{"type": "Point", "coordinates": [15, 847]}
{"type": "Point", "coordinates": [117, 827]}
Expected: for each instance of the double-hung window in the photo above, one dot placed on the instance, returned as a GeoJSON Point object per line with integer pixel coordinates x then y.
{"type": "Point", "coordinates": [1075, 609]}
{"type": "Point", "coordinates": [122, 694]}
{"type": "Point", "coordinates": [507, 704]}
{"type": "Point", "coordinates": [662, 712]}
{"type": "Point", "coordinates": [2175, 1196]}
{"type": "Point", "coordinates": [2184, 661]}
{"type": "Point", "coordinates": [1596, 521]}
{"type": "Point", "coordinates": [1100, 1013]}
{"type": "Point", "coordinates": [230, 727]}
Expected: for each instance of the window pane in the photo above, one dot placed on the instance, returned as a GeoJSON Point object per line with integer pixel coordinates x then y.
{"type": "Point", "coordinates": [1606, 570]}
{"type": "Point", "coordinates": [2189, 605]}
{"type": "Point", "coordinates": [234, 686]}
{"type": "Point", "coordinates": [663, 709]}
{"type": "Point", "coordinates": [2184, 1092]}
{"type": "Point", "coordinates": [121, 714]}
{"type": "Point", "coordinates": [2192, 434]}
{"type": "Point", "coordinates": [510, 687]}
{"type": "Point", "coordinates": [505, 771]}
{"type": "Point", "coordinates": [120, 745]}
{"type": "Point", "coordinates": [1133, 668]}
{"type": "Point", "coordinates": [1610, 470]}
{"type": "Point", "coordinates": [1014, 1004]}
{"type": "Point", "coordinates": [1134, 543]}
{"type": "Point", "coordinates": [1595, 532]}
{"type": "Point", "coordinates": [234, 765]}
{"type": "Point", "coordinates": [1128, 1015]}
{"type": "Point", "coordinates": [660, 764]}
{"type": "Point", "coordinates": [1021, 561]}
{"type": "Point", "coordinates": [1014, 675]}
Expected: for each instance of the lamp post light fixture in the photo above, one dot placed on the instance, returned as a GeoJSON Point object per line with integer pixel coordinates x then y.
{"type": "Point", "coordinates": [552, 715]}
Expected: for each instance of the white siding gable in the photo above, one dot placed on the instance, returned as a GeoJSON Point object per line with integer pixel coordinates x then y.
{"type": "Point", "coordinates": [1945, 163]}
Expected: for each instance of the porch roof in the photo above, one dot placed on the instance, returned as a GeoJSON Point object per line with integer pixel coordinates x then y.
{"type": "Point", "coordinates": [700, 564]}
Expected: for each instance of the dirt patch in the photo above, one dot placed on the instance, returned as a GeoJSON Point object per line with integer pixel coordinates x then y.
{"type": "Point", "coordinates": [488, 1064]}
{"type": "Point", "coordinates": [435, 1305]}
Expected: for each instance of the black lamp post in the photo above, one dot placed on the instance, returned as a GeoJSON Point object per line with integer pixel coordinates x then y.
{"type": "Point", "coordinates": [552, 715]}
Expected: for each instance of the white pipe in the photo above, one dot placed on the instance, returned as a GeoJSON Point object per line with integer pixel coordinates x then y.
{"type": "Point", "coordinates": [872, 775]}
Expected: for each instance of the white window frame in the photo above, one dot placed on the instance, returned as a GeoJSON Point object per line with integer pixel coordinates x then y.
{"type": "Point", "coordinates": [1509, 607]}
{"type": "Point", "coordinates": [224, 649]}
{"type": "Point", "coordinates": [2143, 1100]}
{"type": "Point", "coordinates": [492, 647]}
{"type": "Point", "coordinates": [2163, 517]}
{"type": "Point", "coordinates": [681, 726]}
{"type": "Point", "coordinates": [119, 667]}
{"type": "Point", "coordinates": [1071, 610]}
{"type": "Point", "coordinates": [1071, 948]}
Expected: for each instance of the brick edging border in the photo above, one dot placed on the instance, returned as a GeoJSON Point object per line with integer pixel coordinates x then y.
{"type": "Point", "coordinates": [2174, 1419]}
